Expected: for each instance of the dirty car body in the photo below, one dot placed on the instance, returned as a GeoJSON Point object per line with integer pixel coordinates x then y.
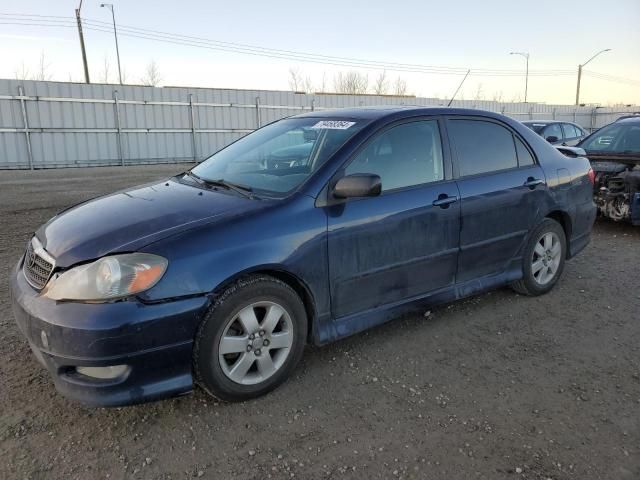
{"type": "Point", "coordinates": [354, 262]}
{"type": "Point", "coordinates": [614, 152]}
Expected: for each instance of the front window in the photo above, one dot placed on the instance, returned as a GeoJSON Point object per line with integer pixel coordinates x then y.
{"type": "Point", "coordinates": [277, 158]}
{"type": "Point", "coordinates": [619, 138]}
{"type": "Point", "coordinates": [403, 156]}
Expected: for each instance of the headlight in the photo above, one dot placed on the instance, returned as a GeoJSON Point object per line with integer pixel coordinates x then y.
{"type": "Point", "coordinates": [110, 277]}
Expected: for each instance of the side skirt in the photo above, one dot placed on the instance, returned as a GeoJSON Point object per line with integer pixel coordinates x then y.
{"type": "Point", "coordinates": [330, 330]}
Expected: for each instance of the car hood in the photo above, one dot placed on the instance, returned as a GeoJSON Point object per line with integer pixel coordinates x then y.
{"type": "Point", "coordinates": [128, 220]}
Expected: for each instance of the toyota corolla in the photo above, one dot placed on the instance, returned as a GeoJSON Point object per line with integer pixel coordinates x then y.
{"type": "Point", "coordinates": [308, 230]}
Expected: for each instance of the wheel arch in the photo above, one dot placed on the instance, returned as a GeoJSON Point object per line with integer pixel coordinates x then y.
{"type": "Point", "coordinates": [280, 273]}
{"type": "Point", "coordinates": [564, 219]}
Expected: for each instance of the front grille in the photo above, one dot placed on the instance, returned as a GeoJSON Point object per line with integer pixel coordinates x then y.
{"type": "Point", "coordinates": [38, 265]}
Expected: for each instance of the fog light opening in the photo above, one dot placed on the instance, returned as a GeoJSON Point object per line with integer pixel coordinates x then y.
{"type": "Point", "coordinates": [103, 373]}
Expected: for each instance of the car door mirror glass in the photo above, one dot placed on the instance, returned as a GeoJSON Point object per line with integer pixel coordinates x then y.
{"type": "Point", "coordinates": [552, 139]}
{"type": "Point", "coordinates": [358, 185]}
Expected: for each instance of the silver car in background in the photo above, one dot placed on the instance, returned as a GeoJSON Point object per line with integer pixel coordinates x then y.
{"type": "Point", "coordinates": [556, 132]}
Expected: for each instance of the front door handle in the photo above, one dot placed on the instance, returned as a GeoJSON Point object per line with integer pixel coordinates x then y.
{"type": "Point", "coordinates": [533, 182]}
{"type": "Point", "coordinates": [444, 200]}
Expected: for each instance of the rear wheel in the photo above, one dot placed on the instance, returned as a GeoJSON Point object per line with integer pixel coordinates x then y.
{"type": "Point", "coordinates": [250, 340]}
{"type": "Point", "coordinates": [543, 259]}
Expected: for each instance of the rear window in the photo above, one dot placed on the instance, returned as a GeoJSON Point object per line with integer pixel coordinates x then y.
{"type": "Point", "coordinates": [482, 146]}
{"type": "Point", "coordinates": [536, 127]}
{"type": "Point", "coordinates": [524, 155]}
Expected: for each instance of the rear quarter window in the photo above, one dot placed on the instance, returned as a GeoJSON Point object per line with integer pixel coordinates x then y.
{"type": "Point", "coordinates": [482, 146]}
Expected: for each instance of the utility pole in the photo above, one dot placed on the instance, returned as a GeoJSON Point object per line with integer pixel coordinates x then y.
{"type": "Point", "coordinates": [580, 73]}
{"type": "Point", "coordinates": [115, 33]}
{"type": "Point", "coordinates": [526, 77]}
{"type": "Point", "coordinates": [84, 52]}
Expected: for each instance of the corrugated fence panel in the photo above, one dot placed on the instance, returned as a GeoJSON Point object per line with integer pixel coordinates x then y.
{"type": "Point", "coordinates": [74, 124]}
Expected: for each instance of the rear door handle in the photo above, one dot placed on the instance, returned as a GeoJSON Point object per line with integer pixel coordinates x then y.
{"type": "Point", "coordinates": [533, 182]}
{"type": "Point", "coordinates": [444, 200]}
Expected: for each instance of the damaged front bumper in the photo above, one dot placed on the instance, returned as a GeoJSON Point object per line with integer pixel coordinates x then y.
{"type": "Point", "coordinates": [109, 354]}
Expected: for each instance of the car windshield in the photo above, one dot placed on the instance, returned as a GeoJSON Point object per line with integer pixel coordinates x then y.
{"type": "Point", "coordinates": [617, 137]}
{"type": "Point", "coordinates": [536, 127]}
{"type": "Point", "coordinates": [279, 157]}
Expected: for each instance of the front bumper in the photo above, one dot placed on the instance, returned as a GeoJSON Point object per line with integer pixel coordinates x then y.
{"type": "Point", "coordinates": [153, 340]}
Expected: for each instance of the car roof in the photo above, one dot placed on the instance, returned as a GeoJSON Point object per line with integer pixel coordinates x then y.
{"type": "Point", "coordinates": [395, 111]}
{"type": "Point", "coordinates": [629, 119]}
{"type": "Point", "coordinates": [546, 122]}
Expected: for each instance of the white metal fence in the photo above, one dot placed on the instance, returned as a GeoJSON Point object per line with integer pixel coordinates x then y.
{"type": "Point", "coordinates": [58, 124]}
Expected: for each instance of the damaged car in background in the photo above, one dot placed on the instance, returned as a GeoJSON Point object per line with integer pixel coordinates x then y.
{"type": "Point", "coordinates": [614, 153]}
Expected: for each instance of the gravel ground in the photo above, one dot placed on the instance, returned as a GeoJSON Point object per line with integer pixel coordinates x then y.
{"type": "Point", "coordinates": [497, 386]}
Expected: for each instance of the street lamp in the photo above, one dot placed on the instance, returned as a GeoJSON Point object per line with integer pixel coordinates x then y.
{"type": "Point", "coordinates": [580, 73]}
{"type": "Point", "coordinates": [526, 77]}
{"type": "Point", "coordinates": [115, 33]}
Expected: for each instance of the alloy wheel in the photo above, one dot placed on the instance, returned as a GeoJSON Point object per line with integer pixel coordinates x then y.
{"type": "Point", "coordinates": [256, 342]}
{"type": "Point", "coordinates": [546, 258]}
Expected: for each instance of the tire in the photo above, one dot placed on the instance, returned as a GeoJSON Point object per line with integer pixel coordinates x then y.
{"type": "Point", "coordinates": [250, 340]}
{"type": "Point", "coordinates": [538, 258]}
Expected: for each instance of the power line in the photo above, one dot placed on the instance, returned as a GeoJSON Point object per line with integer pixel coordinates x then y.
{"type": "Point", "coordinates": [246, 49]}
{"type": "Point", "coordinates": [185, 40]}
{"type": "Point", "coordinates": [611, 78]}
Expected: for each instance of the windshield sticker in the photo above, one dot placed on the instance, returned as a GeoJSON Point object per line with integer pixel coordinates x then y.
{"type": "Point", "coordinates": [333, 124]}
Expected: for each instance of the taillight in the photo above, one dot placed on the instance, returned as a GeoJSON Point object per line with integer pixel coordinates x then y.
{"type": "Point", "coordinates": [592, 176]}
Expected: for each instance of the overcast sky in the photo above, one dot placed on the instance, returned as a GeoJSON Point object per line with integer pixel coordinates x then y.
{"type": "Point", "coordinates": [473, 34]}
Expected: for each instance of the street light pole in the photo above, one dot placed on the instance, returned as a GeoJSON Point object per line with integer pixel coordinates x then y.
{"type": "Point", "coordinates": [84, 52]}
{"type": "Point", "coordinates": [580, 73]}
{"type": "Point", "coordinates": [526, 77]}
{"type": "Point", "coordinates": [115, 34]}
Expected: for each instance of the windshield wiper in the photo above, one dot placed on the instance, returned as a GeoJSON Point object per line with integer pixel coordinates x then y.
{"type": "Point", "coordinates": [197, 178]}
{"type": "Point", "coordinates": [243, 190]}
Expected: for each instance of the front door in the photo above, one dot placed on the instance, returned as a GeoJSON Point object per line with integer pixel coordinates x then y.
{"type": "Point", "coordinates": [399, 245]}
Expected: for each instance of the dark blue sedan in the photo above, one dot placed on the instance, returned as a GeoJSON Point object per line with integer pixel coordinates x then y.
{"type": "Point", "coordinates": [308, 230]}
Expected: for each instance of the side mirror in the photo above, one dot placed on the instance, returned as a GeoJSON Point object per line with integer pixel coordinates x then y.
{"type": "Point", "coordinates": [358, 185]}
{"type": "Point", "coordinates": [552, 139]}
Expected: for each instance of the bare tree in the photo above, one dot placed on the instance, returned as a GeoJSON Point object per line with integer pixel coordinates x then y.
{"type": "Point", "coordinates": [479, 94]}
{"type": "Point", "coordinates": [308, 85]}
{"type": "Point", "coordinates": [498, 96]}
{"type": "Point", "coordinates": [400, 86]}
{"type": "Point", "coordinates": [351, 82]}
{"type": "Point", "coordinates": [104, 75]}
{"type": "Point", "coordinates": [323, 85]}
{"type": "Point", "coordinates": [296, 82]}
{"type": "Point", "coordinates": [21, 72]}
{"type": "Point", "coordinates": [43, 69]}
{"type": "Point", "coordinates": [381, 84]}
{"type": "Point", "coordinates": [152, 77]}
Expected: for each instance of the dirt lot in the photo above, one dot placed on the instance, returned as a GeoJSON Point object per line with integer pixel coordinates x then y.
{"type": "Point", "coordinates": [498, 386]}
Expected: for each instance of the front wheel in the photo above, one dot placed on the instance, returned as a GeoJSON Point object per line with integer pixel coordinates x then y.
{"type": "Point", "coordinates": [250, 340]}
{"type": "Point", "coordinates": [543, 259]}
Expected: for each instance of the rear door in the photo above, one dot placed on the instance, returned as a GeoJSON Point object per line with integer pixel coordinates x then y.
{"type": "Point", "coordinates": [501, 186]}
{"type": "Point", "coordinates": [404, 242]}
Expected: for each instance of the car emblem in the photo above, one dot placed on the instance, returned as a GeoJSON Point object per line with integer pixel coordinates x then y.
{"type": "Point", "coordinates": [31, 261]}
